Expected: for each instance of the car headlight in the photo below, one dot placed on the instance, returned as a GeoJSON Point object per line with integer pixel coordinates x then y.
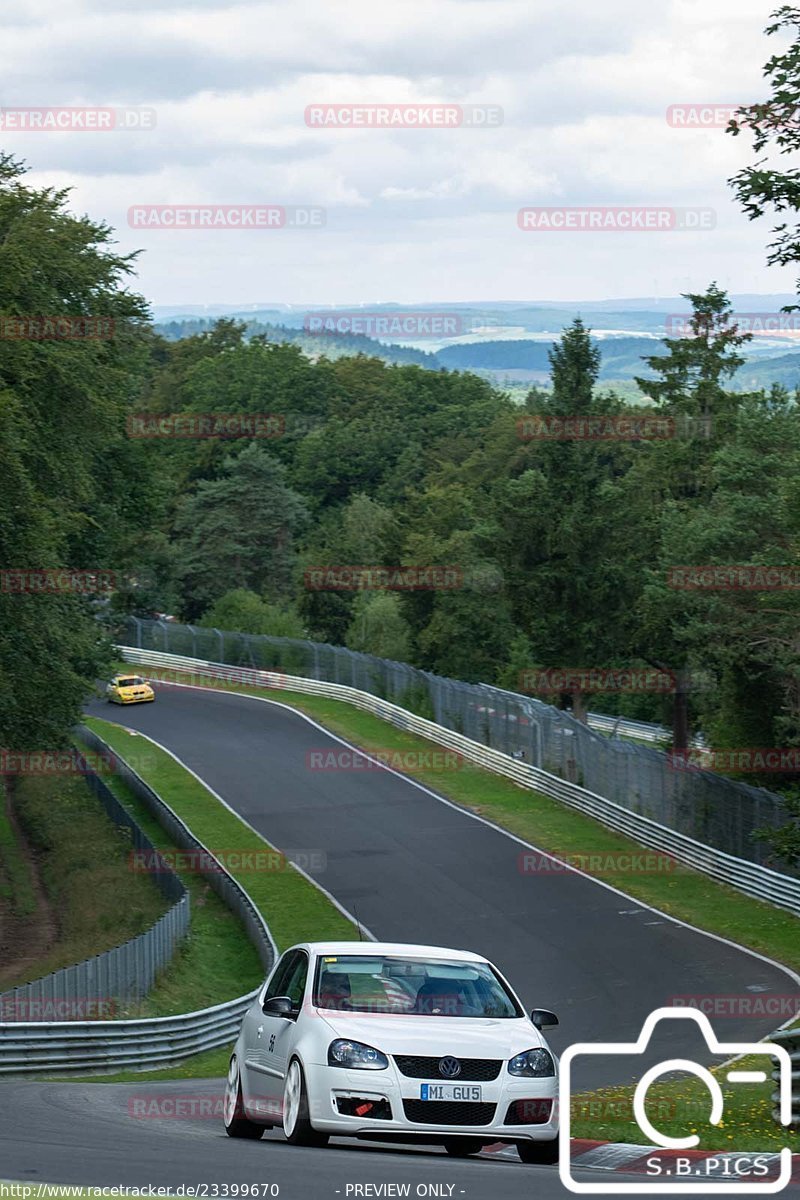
{"type": "Point", "coordinates": [532, 1063]}
{"type": "Point", "coordinates": [344, 1053]}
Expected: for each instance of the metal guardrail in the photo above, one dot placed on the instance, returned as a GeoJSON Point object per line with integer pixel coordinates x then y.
{"type": "Point", "coordinates": [642, 731]}
{"type": "Point", "coordinates": [636, 774]}
{"type": "Point", "coordinates": [751, 878]}
{"type": "Point", "coordinates": [62, 1047]}
{"type": "Point", "coordinates": [790, 1039]}
{"type": "Point", "coordinates": [120, 976]}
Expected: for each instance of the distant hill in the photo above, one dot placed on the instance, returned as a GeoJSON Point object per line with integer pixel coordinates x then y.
{"type": "Point", "coordinates": [327, 345]}
{"type": "Point", "coordinates": [621, 357]}
{"type": "Point", "coordinates": [502, 360]}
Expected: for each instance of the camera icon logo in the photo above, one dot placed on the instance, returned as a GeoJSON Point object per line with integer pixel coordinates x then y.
{"type": "Point", "coordinates": [729, 1050]}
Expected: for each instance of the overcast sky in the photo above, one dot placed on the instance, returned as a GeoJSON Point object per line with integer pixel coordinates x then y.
{"type": "Point", "coordinates": [411, 214]}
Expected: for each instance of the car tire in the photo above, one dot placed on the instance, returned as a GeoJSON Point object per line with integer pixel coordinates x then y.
{"type": "Point", "coordinates": [296, 1120]}
{"type": "Point", "coordinates": [538, 1152]}
{"type": "Point", "coordinates": [463, 1147]}
{"type": "Point", "coordinates": [236, 1123]}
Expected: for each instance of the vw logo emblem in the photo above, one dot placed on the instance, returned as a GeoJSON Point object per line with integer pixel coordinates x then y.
{"type": "Point", "coordinates": [449, 1068]}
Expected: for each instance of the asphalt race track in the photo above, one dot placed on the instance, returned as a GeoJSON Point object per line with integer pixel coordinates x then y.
{"type": "Point", "coordinates": [414, 869]}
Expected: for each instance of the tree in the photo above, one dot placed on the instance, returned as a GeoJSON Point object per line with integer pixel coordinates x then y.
{"type": "Point", "coordinates": [673, 479]}
{"type": "Point", "coordinates": [239, 531]}
{"type": "Point", "coordinates": [775, 129]}
{"type": "Point", "coordinates": [378, 627]}
{"type": "Point", "coordinates": [62, 416]}
{"type": "Point", "coordinates": [246, 612]}
{"type": "Point", "coordinates": [747, 640]}
{"type": "Point", "coordinates": [561, 516]}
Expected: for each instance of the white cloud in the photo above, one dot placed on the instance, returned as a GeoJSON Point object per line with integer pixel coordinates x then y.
{"type": "Point", "coordinates": [415, 214]}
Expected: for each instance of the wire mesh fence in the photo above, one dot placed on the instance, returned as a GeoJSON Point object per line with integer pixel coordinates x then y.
{"type": "Point", "coordinates": [711, 808]}
{"type": "Point", "coordinates": [101, 986]}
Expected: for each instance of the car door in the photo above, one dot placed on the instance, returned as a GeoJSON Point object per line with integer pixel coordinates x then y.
{"type": "Point", "coordinates": [259, 1069]}
{"type": "Point", "coordinates": [270, 1038]}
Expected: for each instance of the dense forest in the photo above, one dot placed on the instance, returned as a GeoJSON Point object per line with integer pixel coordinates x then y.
{"type": "Point", "coordinates": [562, 545]}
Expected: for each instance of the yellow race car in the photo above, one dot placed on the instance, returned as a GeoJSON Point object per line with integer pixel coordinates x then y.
{"type": "Point", "coordinates": [129, 689]}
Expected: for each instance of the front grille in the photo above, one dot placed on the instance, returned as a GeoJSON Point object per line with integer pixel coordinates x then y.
{"type": "Point", "coordinates": [449, 1112]}
{"type": "Point", "coordinates": [529, 1112]}
{"type": "Point", "coordinates": [472, 1069]}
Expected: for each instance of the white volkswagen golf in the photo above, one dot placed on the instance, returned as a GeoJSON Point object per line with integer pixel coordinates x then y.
{"type": "Point", "coordinates": [397, 1043]}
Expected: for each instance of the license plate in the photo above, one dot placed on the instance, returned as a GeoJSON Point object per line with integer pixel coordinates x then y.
{"type": "Point", "coordinates": [449, 1091]}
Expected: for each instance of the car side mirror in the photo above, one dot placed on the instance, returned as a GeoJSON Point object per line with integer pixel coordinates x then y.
{"type": "Point", "coordinates": [278, 1006]}
{"type": "Point", "coordinates": [543, 1018]}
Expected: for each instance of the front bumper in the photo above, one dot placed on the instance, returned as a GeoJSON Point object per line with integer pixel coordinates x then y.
{"type": "Point", "coordinates": [487, 1120]}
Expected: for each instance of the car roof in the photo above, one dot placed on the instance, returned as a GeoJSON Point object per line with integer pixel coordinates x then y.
{"type": "Point", "coordinates": [406, 949]}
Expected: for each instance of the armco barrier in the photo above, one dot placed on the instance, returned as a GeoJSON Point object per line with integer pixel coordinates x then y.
{"type": "Point", "coordinates": [642, 731]}
{"type": "Point", "coordinates": [61, 1047]}
{"type": "Point", "coordinates": [125, 974]}
{"type": "Point", "coordinates": [636, 774]}
{"type": "Point", "coordinates": [790, 1039]}
{"type": "Point", "coordinates": [748, 877]}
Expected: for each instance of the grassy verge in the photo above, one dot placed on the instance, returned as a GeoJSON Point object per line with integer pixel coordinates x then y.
{"type": "Point", "coordinates": [688, 895]}
{"type": "Point", "coordinates": [294, 909]}
{"type": "Point", "coordinates": [217, 961]}
{"type": "Point", "coordinates": [16, 881]}
{"type": "Point", "coordinates": [679, 1107]}
{"type": "Point", "coordinates": [82, 858]}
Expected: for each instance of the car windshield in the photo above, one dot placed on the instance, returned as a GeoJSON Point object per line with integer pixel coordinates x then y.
{"type": "Point", "coordinates": [411, 986]}
{"type": "Point", "coordinates": [130, 681]}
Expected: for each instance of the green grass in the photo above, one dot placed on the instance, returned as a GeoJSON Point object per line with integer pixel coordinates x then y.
{"type": "Point", "coordinates": [679, 1107]}
{"type": "Point", "coordinates": [16, 881]}
{"type": "Point", "coordinates": [685, 894]}
{"type": "Point", "coordinates": [217, 961]}
{"type": "Point", "coordinates": [294, 909]}
{"type": "Point", "coordinates": [82, 858]}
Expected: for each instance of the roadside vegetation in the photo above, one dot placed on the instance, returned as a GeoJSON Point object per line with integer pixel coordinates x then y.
{"type": "Point", "coordinates": [93, 900]}
{"type": "Point", "coordinates": [679, 1107]}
